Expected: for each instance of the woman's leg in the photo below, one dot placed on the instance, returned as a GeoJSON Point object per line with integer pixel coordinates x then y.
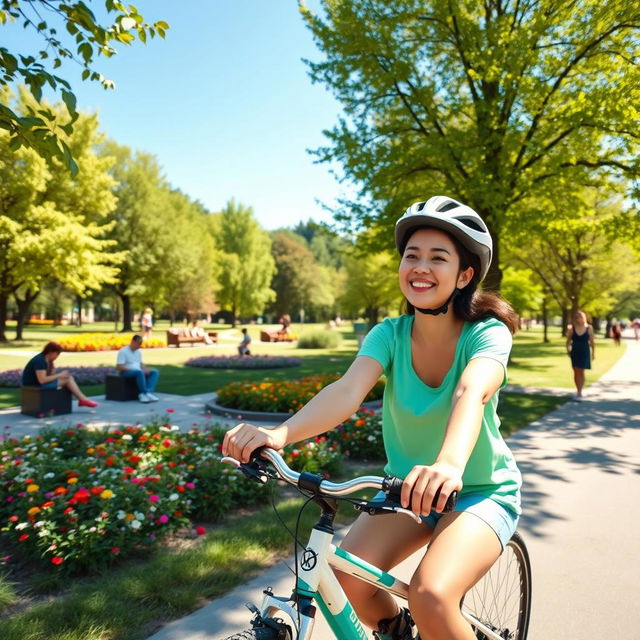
{"type": "Point", "coordinates": [384, 541]}
{"type": "Point", "coordinates": [462, 550]}
{"type": "Point", "coordinates": [72, 385]}
{"type": "Point", "coordinates": [578, 378]}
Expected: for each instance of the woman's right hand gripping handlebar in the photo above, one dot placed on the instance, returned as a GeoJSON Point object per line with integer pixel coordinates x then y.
{"type": "Point", "coordinates": [241, 441]}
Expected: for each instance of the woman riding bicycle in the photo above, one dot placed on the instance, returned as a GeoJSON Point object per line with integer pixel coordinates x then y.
{"type": "Point", "coordinates": [444, 367]}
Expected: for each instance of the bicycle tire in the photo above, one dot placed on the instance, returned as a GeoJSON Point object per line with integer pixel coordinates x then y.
{"type": "Point", "coordinates": [502, 598]}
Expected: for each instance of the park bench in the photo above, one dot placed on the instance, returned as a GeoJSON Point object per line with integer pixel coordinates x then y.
{"type": "Point", "coordinates": [276, 336]}
{"type": "Point", "coordinates": [177, 336]}
{"type": "Point", "coordinates": [120, 388]}
{"type": "Point", "coordinates": [39, 402]}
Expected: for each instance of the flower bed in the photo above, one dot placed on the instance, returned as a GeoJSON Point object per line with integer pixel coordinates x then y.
{"type": "Point", "coordinates": [360, 437]}
{"type": "Point", "coordinates": [77, 500]}
{"type": "Point", "coordinates": [242, 362]}
{"type": "Point", "coordinates": [280, 396]}
{"type": "Point", "coordinates": [82, 375]}
{"type": "Point", "coordinates": [104, 342]}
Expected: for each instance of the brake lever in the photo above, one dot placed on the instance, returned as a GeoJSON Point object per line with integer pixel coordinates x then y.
{"type": "Point", "coordinates": [382, 508]}
{"type": "Point", "coordinates": [253, 469]}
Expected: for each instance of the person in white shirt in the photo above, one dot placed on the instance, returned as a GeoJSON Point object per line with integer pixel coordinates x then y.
{"type": "Point", "coordinates": [129, 364]}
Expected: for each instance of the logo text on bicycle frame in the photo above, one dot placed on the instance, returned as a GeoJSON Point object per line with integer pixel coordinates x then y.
{"type": "Point", "coordinates": [309, 559]}
{"type": "Point", "coordinates": [356, 623]}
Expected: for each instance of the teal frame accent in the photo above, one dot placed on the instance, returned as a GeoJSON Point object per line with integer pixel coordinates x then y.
{"type": "Point", "coordinates": [383, 577]}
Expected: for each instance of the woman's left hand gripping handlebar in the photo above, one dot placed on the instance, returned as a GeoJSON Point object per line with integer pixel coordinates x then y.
{"type": "Point", "coordinates": [241, 441]}
{"type": "Point", "coordinates": [423, 483]}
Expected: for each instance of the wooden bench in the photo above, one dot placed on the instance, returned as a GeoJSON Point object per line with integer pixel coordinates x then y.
{"type": "Point", "coordinates": [40, 403]}
{"type": "Point", "coordinates": [121, 388]}
{"type": "Point", "coordinates": [276, 336]}
{"type": "Point", "coordinates": [176, 337]}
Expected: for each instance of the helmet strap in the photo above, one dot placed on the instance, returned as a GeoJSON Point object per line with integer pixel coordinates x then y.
{"type": "Point", "coordinates": [443, 309]}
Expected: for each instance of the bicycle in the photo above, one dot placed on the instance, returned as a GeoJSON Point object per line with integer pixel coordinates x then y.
{"type": "Point", "coordinates": [498, 607]}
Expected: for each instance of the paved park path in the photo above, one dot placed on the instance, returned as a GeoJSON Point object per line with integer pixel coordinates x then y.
{"type": "Point", "coordinates": [581, 466]}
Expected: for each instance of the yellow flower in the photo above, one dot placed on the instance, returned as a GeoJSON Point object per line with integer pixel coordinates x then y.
{"type": "Point", "coordinates": [54, 444]}
{"type": "Point", "coordinates": [106, 494]}
{"type": "Point", "coordinates": [72, 480]}
{"type": "Point", "coordinates": [32, 488]}
{"type": "Point", "coordinates": [129, 517]}
{"type": "Point", "coordinates": [33, 511]}
{"type": "Point", "coordinates": [90, 450]}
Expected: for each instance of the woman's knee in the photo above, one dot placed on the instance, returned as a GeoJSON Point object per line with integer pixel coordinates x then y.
{"type": "Point", "coordinates": [430, 602]}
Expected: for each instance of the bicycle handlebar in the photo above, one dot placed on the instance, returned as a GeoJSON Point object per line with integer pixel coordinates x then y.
{"type": "Point", "coordinates": [389, 484]}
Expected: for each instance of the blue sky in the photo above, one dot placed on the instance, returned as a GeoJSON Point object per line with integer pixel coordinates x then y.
{"type": "Point", "coordinates": [224, 103]}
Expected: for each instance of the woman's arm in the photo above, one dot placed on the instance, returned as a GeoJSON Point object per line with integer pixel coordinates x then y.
{"type": "Point", "coordinates": [592, 342]}
{"type": "Point", "coordinates": [43, 378]}
{"type": "Point", "coordinates": [569, 338]}
{"type": "Point", "coordinates": [481, 378]}
{"type": "Point", "coordinates": [326, 410]}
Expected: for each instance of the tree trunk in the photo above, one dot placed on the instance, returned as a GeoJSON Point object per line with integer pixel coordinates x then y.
{"type": "Point", "coordinates": [372, 314]}
{"type": "Point", "coordinates": [4, 301]}
{"type": "Point", "coordinates": [545, 319]}
{"type": "Point", "coordinates": [566, 315]}
{"type": "Point", "coordinates": [79, 304]}
{"type": "Point", "coordinates": [126, 313]}
{"type": "Point", "coordinates": [234, 318]}
{"type": "Point", "coordinates": [24, 305]}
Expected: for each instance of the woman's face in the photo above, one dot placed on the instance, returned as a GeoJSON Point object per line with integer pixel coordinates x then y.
{"type": "Point", "coordinates": [579, 317]}
{"type": "Point", "coordinates": [52, 355]}
{"type": "Point", "coordinates": [430, 269]}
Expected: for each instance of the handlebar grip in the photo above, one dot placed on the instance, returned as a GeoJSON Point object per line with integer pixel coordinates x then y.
{"type": "Point", "coordinates": [393, 487]}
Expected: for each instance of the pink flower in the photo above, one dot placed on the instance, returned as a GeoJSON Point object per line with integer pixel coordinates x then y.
{"type": "Point", "coordinates": [154, 498]}
{"type": "Point", "coordinates": [170, 410]}
{"type": "Point", "coordinates": [163, 519]}
{"type": "Point", "coordinates": [115, 550]}
{"type": "Point", "coordinates": [189, 485]}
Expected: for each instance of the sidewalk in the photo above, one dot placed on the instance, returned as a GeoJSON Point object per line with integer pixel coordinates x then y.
{"type": "Point", "coordinates": [580, 465]}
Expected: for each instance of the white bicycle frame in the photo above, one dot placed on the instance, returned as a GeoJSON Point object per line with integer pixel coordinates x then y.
{"type": "Point", "coordinates": [318, 583]}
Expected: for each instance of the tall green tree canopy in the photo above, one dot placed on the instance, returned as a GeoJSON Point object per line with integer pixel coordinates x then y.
{"type": "Point", "coordinates": [52, 225]}
{"type": "Point", "coordinates": [488, 102]}
{"type": "Point", "coordinates": [69, 31]}
{"type": "Point", "coordinates": [246, 263]}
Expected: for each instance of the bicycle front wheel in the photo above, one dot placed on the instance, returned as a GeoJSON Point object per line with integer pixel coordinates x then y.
{"type": "Point", "coordinates": [501, 600]}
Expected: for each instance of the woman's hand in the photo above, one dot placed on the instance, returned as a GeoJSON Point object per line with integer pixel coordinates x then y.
{"type": "Point", "coordinates": [422, 483]}
{"type": "Point", "coordinates": [241, 441]}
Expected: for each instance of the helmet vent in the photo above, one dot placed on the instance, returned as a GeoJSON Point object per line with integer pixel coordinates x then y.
{"type": "Point", "coordinates": [470, 222]}
{"type": "Point", "coordinates": [421, 206]}
{"type": "Point", "coordinates": [447, 207]}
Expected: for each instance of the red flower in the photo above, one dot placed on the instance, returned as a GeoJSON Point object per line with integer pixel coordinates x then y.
{"type": "Point", "coordinates": [13, 518]}
{"type": "Point", "coordinates": [57, 560]}
{"type": "Point", "coordinates": [109, 461]}
{"type": "Point", "coordinates": [115, 550]}
{"type": "Point", "coordinates": [200, 530]}
{"type": "Point", "coordinates": [170, 410]}
{"type": "Point", "coordinates": [23, 537]}
{"type": "Point", "coordinates": [129, 470]}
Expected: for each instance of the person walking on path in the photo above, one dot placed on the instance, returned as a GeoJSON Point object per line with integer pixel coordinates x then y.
{"type": "Point", "coordinates": [581, 348]}
{"type": "Point", "coordinates": [129, 364]}
{"type": "Point", "coordinates": [41, 372]}
{"type": "Point", "coordinates": [445, 361]}
{"type": "Point", "coordinates": [243, 347]}
{"type": "Point", "coordinates": [146, 324]}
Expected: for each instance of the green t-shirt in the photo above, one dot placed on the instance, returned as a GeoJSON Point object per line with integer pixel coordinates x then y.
{"type": "Point", "coordinates": [415, 415]}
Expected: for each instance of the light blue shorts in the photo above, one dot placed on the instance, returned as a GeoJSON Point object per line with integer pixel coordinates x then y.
{"type": "Point", "coordinates": [502, 520]}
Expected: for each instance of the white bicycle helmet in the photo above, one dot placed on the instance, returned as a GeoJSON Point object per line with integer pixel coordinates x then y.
{"type": "Point", "coordinates": [447, 214]}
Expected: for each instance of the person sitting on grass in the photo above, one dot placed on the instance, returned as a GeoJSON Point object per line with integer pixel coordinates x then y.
{"type": "Point", "coordinates": [129, 364]}
{"type": "Point", "coordinates": [243, 347]}
{"type": "Point", "coordinates": [40, 372]}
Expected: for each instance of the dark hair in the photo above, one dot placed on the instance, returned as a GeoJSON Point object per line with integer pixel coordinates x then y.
{"type": "Point", "coordinates": [51, 347]}
{"type": "Point", "coordinates": [137, 338]}
{"type": "Point", "coordinates": [472, 305]}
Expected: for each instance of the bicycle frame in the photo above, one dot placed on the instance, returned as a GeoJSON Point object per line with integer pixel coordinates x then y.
{"type": "Point", "coordinates": [318, 583]}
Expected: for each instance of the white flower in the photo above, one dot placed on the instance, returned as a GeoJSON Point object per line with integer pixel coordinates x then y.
{"type": "Point", "coordinates": [135, 524]}
{"type": "Point", "coordinates": [139, 516]}
{"type": "Point", "coordinates": [49, 475]}
{"type": "Point", "coordinates": [121, 514]}
{"type": "Point", "coordinates": [22, 525]}
{"type": "Point", "coordinates": [127, 436]}
{"type": "Point", "coordinates": [174, 496]}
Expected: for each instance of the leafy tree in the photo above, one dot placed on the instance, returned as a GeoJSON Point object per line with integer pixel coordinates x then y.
{"type": "Point", "coordinates": [522, 290]}
{"type": "Point", "coordinates": [52, 225]}
{"type": "Point", "coordinates": [86, 38]}
{"type": "Point", "coordinates": [488, 102]}
{"type": "Point", "coordinates": [246, 264]}
{"type": "Point", "coordinates": [141, 228]}
{"type": "Point", "coordinates": [371, 285]}
{"type": "Point", "coordinates": [580, 256]}
{"type": "Point", "coordinates": [299, 281]}
{"type": "Point", "coordinates": [327, 246]}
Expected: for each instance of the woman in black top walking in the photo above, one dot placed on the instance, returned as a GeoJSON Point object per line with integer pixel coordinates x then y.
{"type": "Point", "coordinates": [581, 347]}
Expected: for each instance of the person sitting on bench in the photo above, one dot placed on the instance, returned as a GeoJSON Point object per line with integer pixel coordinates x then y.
{"type": "Point", "coordinates": [129, 364]}
{"type": "Point", "coordinates": [40, 372]}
